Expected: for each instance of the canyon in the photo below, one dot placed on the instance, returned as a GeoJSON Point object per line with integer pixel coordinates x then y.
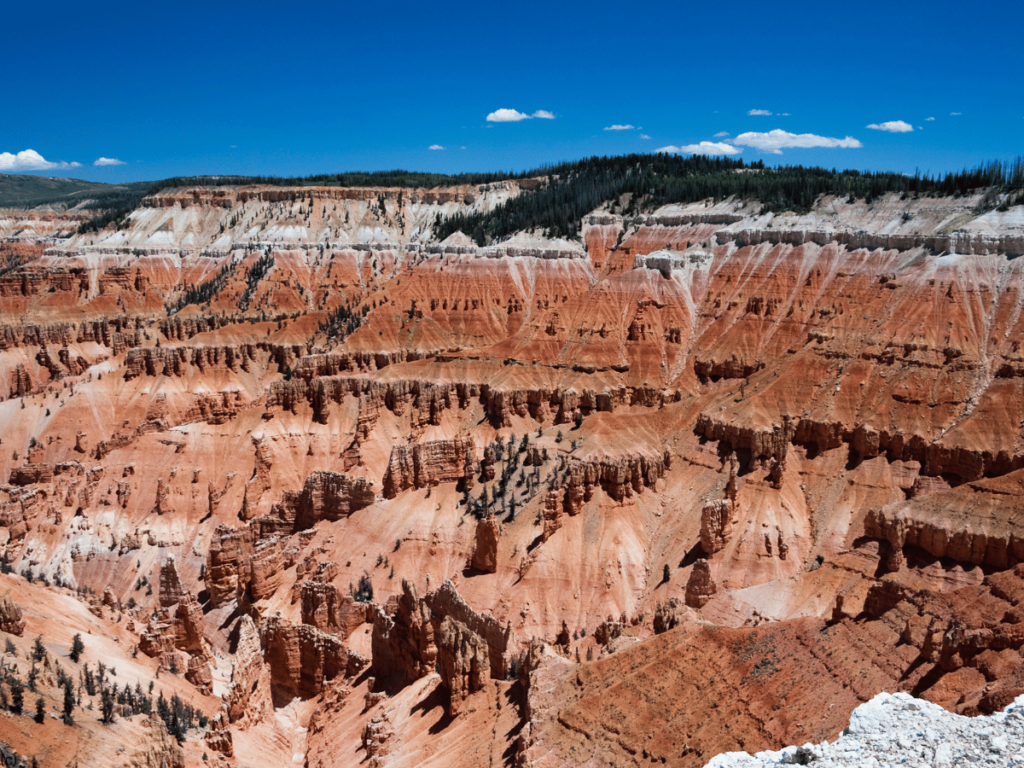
{"type": "Point", "coordinates": [704, 480]}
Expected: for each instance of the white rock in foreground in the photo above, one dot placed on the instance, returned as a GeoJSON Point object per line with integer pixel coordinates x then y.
{"type": "Point", "coordinates": [899, 730]}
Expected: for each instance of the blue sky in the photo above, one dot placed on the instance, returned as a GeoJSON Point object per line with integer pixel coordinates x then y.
{"type": "Point", "coordinates": [293, 89]}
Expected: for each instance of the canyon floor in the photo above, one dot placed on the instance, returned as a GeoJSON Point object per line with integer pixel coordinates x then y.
{"type": "Point", "coordinates": [704, 480]}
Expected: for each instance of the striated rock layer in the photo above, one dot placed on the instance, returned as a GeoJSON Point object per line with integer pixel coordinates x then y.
{"type": "Point", "coordinates": [705, 481]}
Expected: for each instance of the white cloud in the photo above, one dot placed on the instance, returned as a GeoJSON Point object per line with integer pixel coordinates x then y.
{"type": "Point", "coordinates": [929, 119]}
{"type": "Point", "coordinates": [721, 134]}
{"type": "Point", "coordinates": [785, 114]}
{"type": "Point", "coordinates": [436, 146]}
{"type": "Point", "coordinates": [618, 127]}
{"type": "Point", "coordinates": [514, 116]}
{"type": "Point", "coordinates": [892, 126]}
{"type": "Point", "coordinates": [955, 114]}
{"type": "Point", "coordinates": [704, 148]}
{"type": "Point", "coordinates": [644, 136]}
{"type": "Point", "coordinates": [506, 116]}
{"type": "Point", "coordinates": [109, 161]}
{"type": "Point", "coordinates": [761, 112]}
{"type": "Point", "coordinates": [30, 160]}
{"type": "Point", "coordinates": [777, 140]}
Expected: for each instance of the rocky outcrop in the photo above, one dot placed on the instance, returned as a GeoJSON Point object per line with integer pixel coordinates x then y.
{"type": "Point", "coordinates": [772, 443]}
{"type": "Point", "coordinates": [249, 697]}
{"type": "Point", "coordinates": [328, 610]}
{"type": "Point", "coordinates": [21, 382]}
{"type": "Point", "coordinates": [259, 483]}
{"type": "Point", "coordinates": [170, 590]}
{"type": "Point", "coordinates": [620, 477]}
{"type": "Point", "coordinates": [228, 564]}
{"type": "Point", "coordinates": [378, 739]}
{"type": "Point", "coordinates": [502, 645]}
{"type": "Point", "coordinates": [668, 615]}
{"type": "Point", "coordinates": [608, 630]}
{"type": "Point", "coordinates": [960, 241]}
{"type": "Point", "coordinates": [188, 626]}
{"type": "Point", "coordinates": [716, 520]}
{"type": "Point", "coordinates": [426, 401]}
{"type": "Point", "coordinates": [31, 474]}
{"type": "Point", "coordinates": [768, 447]}
{"type": "Point", "coordinates": [218, 736]}
{"type": "Point", "coordinates": [180, 329]}
{"type": "Point", "coordinates": [717, 516]}
{"type": "Point", "coordinates": [462, 661]}
{"type": "Point", "coordinates": [11, 621]}
{"type": "Point", "coordinates": [324, 496]}
{"type": "Point", "coordinates": [977, 523]}
{"type": "Point", "coordinates": [700, 587]}
{"type": "Point", "coordinates": [157, 748]}
{"type": "Point", "coordinates": [302, 659]}
{"type": "Point", "coordinates": [423, 464]}
{"type": "Point", "coordinates": [554, 503]}
{"type": "Point", "coordinates": [485, 553]}
{"type": "Point", "coordinates": [200, 675]}
{"type": "Point", "coordinates": [179, 360]}
{"type": "Point", "coordinates": [116, 333]}
{"type": "Point", "coordinates": [178, 624]}
{"type": "Point", "coordinates": [403, 645]}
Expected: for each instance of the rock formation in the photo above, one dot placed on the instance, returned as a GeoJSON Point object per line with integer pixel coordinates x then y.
{"type": "Point", "coordinates": [485, 553]}
{"type": "Point", "coordinates": [700, 587]}
{"type": "Point", "coordinates": [462, 661]}
{"type": "Point", "coordinates": [302, 659]}
{"type": "Point", "coordinates": [344, 364]}
{"type": "Point", "coordinates": [423, 464]}
{"type": "Point", "coordinates": [718, 516]}
{"type": "Point", "coordinates": [403, 644]}
{"type": "Point", "coordinates": [248, 699]}
{"type": "Point", "coordinates": [11, 621]}
{"type": "Point", "coordinates": [325, 608]}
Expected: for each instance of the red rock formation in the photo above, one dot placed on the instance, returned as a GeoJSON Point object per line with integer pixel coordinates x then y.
{"type": "Point", "coordinates": [669, 615]}
{"type": "Point", "coordinates": [228, 564]}
{"type": "Point", "coordinates": [701, 586]}
{"type": "Point", "coordinates": [325, 608]}
{"type": "Point", "coordinates": [248, 699]}
{"type": "Point", "coordinates": [200, 675]}
{"type": "Point", "coordinates": [403, 645]}
{"type": "Point", "coordinates": [11, 621]}
{"type": "Point", "coordinates": [21, 382]}
{"type": "Point", "coordinates": [31, 474]}
{"type": "Point", "coordinates": [324, 496]}
{"type": "Point", "coordinates": [218, 736]}
{"type": "Point", "coordinates": [378, 739]}
{"type": "Point", "coordinates": [462, 660]}
{"type": "Point", "coordinates": [502, 645]}
{"type": "Point", "coordinates": [170, 590]}
{"type": "Point", "coordinates": [302, 659]}
{"type": "Point", "coordinates": [976, 523]}
{"type": "Point", "coordinates": [423, 464]}
{"type": "Point", "coordinates": [485, 553]}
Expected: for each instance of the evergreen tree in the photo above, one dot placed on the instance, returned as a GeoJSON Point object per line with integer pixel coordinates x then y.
{"type": "Point", "coordinates": [77, 646]}
{"type": "Point", "coordinates": [17, 696]}
{"type": "Point", "coordinates": [38, 649]}
{"type": "Point", "coordinates": [69, 702]}
{"type": "Point", "coordinates": [40, 710]}
{"type": "Point", "coordinates": [107, 702]}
